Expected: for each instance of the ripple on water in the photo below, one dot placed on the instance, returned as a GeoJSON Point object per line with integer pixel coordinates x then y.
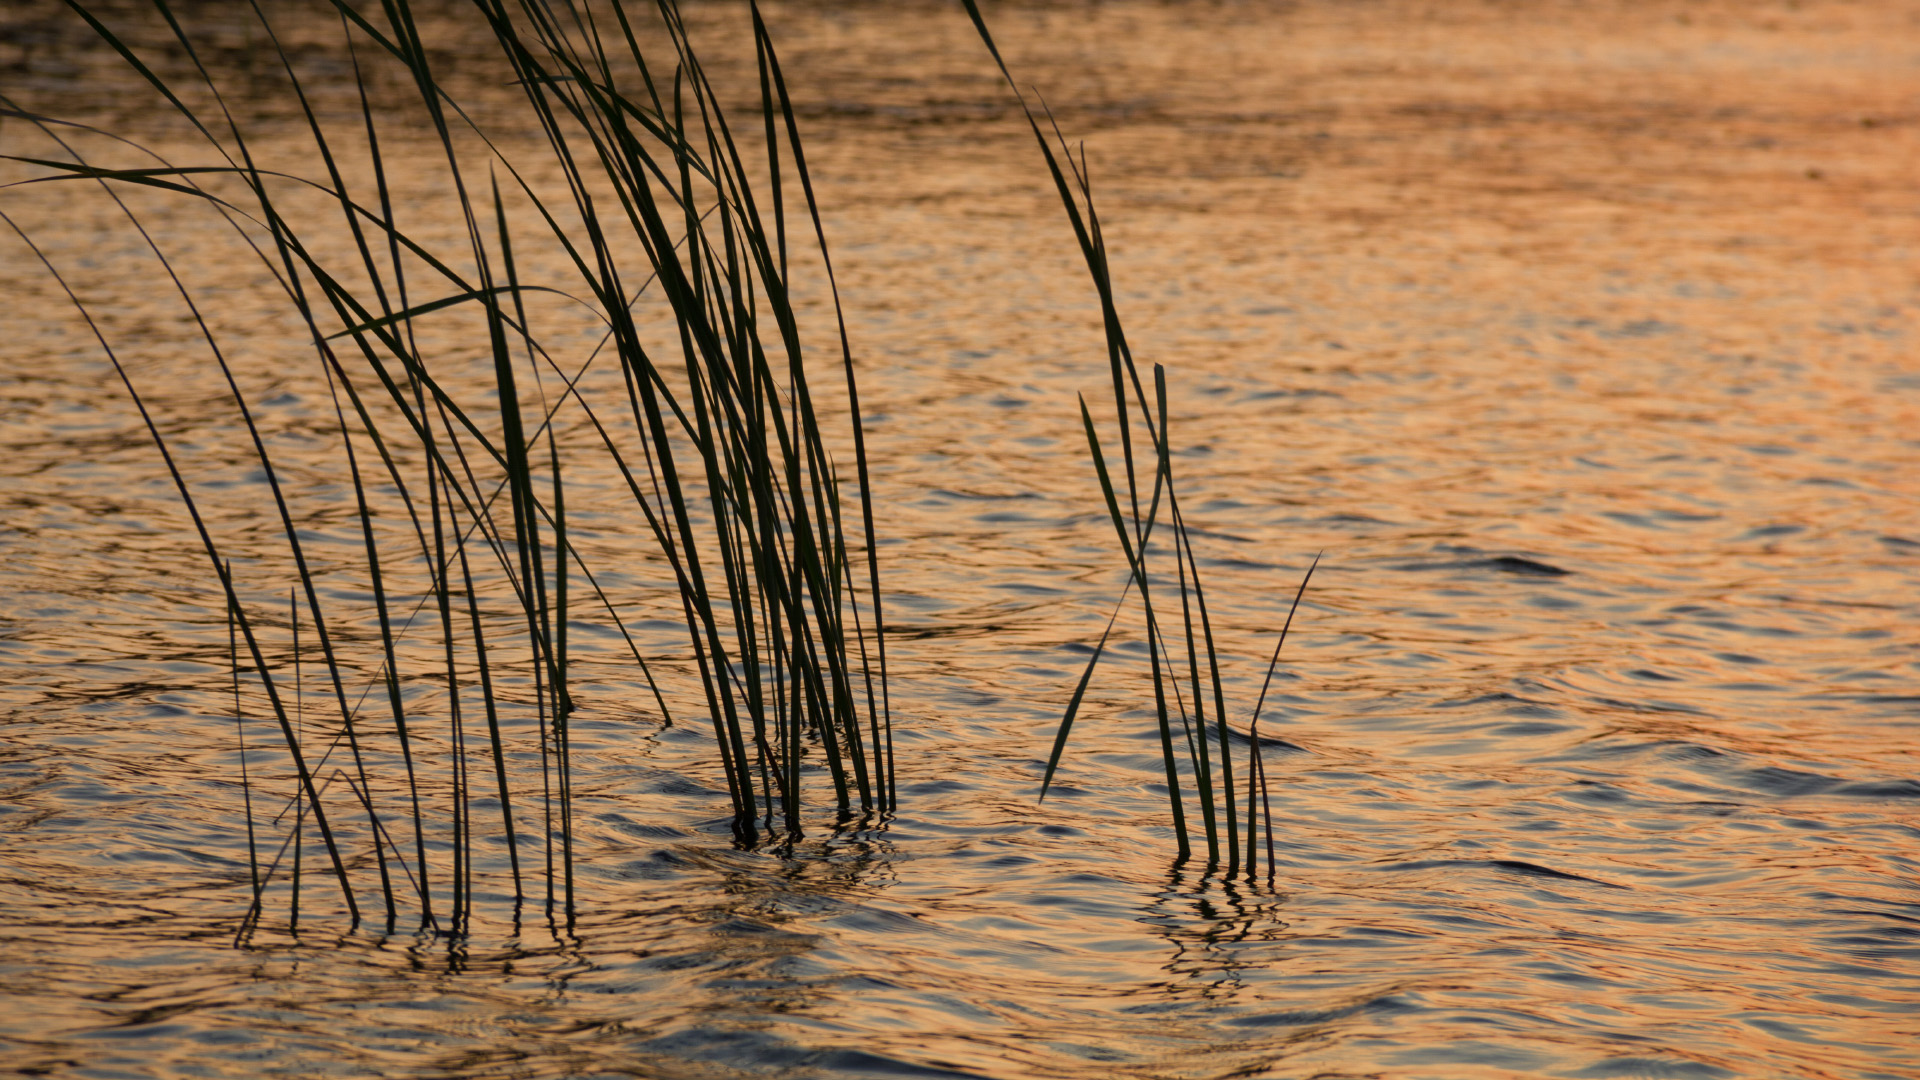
{"type": "Point", "coordinates": [1591, 751]}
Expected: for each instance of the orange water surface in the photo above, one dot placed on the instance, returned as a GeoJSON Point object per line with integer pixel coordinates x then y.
{"type": "Point", "coordinates": [1578, 339]}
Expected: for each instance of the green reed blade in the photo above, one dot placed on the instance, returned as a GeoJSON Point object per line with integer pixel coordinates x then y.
{"type": "Point", "coordinates": [754, 528]}
{"type": "Point", "coordinates": [1284, 627]}
{"type": "Point", "coordinates": [1202, 763]}
{"type": "Point", "coordinates": [496, 742]}
{"type": "Point", "coordinates": [443, 303]}
{"type": "Point", "coordinates": [1079, 692]}
{"type": "Point", "coordinates": [1228, 801]}
{"type": "Point", "coordinates": [772, 67]}
{"type": "Point", "coordinates": [547, 661]}
{"type": "Point", "coordinates": [1138, 567]}
{"type": "Point", "coordinates": [260, 452]}
{"type": "Point", "coordinates": [1253, 726]}
{"type": "Point", "coordinates": [386, 639]}
{"type": "Point", "coordinates": [219, 566]}
{"type": "Point", "coordinates": [240, 736]}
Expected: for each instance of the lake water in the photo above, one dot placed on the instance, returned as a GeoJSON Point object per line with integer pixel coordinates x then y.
{"type": "Point", "coordinates": [1458, 295]}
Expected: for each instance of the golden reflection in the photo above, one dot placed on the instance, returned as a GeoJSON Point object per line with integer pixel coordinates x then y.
{"type": "Point", "coordinates": [1461, 294]}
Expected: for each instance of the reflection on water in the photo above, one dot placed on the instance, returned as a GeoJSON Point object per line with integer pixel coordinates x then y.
{"type": "Point", "coordinates": [1579, 338]}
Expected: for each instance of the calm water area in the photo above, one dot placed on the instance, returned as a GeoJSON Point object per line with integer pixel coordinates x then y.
{"type": "Point", "coordinates": [1579, 340]}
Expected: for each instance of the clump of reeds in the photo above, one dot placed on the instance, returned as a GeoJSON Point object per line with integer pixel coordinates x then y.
{"type": "Point", "coordinates": [1187, 729]}
{"type": "Point", "coordinates": [460, 479]}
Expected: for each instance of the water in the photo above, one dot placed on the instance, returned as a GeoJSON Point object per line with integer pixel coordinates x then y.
{"type": "Point", "coordinates": [1460, 296]}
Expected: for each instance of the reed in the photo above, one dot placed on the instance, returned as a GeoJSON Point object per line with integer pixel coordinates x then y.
{"type": "Point", "coordinates": [441, 647]}
{"type": "Point", "coordinates": [680, 245]}
{"type": "Point", "coordinates": [1196, 745]}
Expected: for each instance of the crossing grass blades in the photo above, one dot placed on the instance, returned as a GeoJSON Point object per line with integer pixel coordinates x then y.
{"type": "Point", "coordinates": [414, 774]}
{"type": "Point", "coordinates": [414, 781]}
{"type": "Point", "coordinates": [1186, 728]}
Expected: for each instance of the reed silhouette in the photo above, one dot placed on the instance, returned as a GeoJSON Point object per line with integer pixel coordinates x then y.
{"type": "Point", "coordinates": [1183, 718]}
{"type": "Point", "coordinates": [678, 231]}
{"type": "Point", "coordinates": [711, 427]}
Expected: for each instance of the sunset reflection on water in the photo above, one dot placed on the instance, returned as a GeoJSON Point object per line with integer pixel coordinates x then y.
{"type": "Point", "coordinates": [1460, 295]}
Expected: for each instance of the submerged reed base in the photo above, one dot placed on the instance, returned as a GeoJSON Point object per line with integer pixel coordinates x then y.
{"type": "Point", "coordinates": [1182, 715]}
{"type": "Point", "coordinates": [443, 644]}
{"type": "Point", "coordinates": [468, 577]}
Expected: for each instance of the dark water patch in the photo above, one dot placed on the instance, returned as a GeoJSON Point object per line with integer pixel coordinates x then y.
{"type": "Point", "coordinates": [1028, 587]}
{"type": "Point", "coordinates": [1384, 1005]}
{"type": "Point", "coordinates": [883, 921]}
{"type": "Point", "coordinates": [1598, 793]}
{"type": "Point", "coordinates": [1640, 328]}
{"type": "Point", "coordinates": [1649, 705]}
{"type": "Point", "coordinates": [1751, 630]}
{"type": "Point", "coordinates": [1788, 783]}
{"type": "Point", "coordinates": [1532, 730]}
{"type": "Point", "coordinates": [1268, 742]}
{"type": "Point", "coordinates": [1639, 521]}
{"type": "Point", "coordinates": [656, 866]}
{"type": "Point", "coordinates": [1688, 752]}
{"type": "Point", "coordinates": [1511, 866]}
{"type": "Point", "coordinates": [1649, 1068]}
{"type": "Point", "coordinates": [1514, 564]}
{"type": "Point", "coordinates": [1534, 869]}
{"type": "Point", "coordinates": [1305, 392]}
{"type": "Point", "coordinates": [1506, 564]}
{"type": "Point", "coordinates": [1878, 915]}
{"type": "Point", "coordinates": [1472, 1052]}
{"type": "Point", "coordinates": [1645, 918]}
{"type": "Point", "coordinates": [1495, 698]}
{"type": "Point", "coordinates": [864, 1063]}
{"type": "Point", "coordinates": [934, 787]}
{"type": "Point", "coordinates": [621, 823]}
{"type": "Point", "coordinates": [669, 784]}
{"type": "Point", "coordinates": [722, 1045]}
{"type": "Point", "coordinates": [938, 631]}
{"type": "Point", "coordinates": [1881, 789]}
{"type": "Point", "coordinates": [1223, 562]}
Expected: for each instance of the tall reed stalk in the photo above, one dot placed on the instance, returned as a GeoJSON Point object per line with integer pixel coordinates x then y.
{"type": "Point", "coordinates": [674, 229]}
{"type": "Point", "coordinates": [1196, 745]}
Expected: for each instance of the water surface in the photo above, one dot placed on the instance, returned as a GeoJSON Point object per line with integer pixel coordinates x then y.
{"type": "Point", "coordinates": [1579, 338]}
